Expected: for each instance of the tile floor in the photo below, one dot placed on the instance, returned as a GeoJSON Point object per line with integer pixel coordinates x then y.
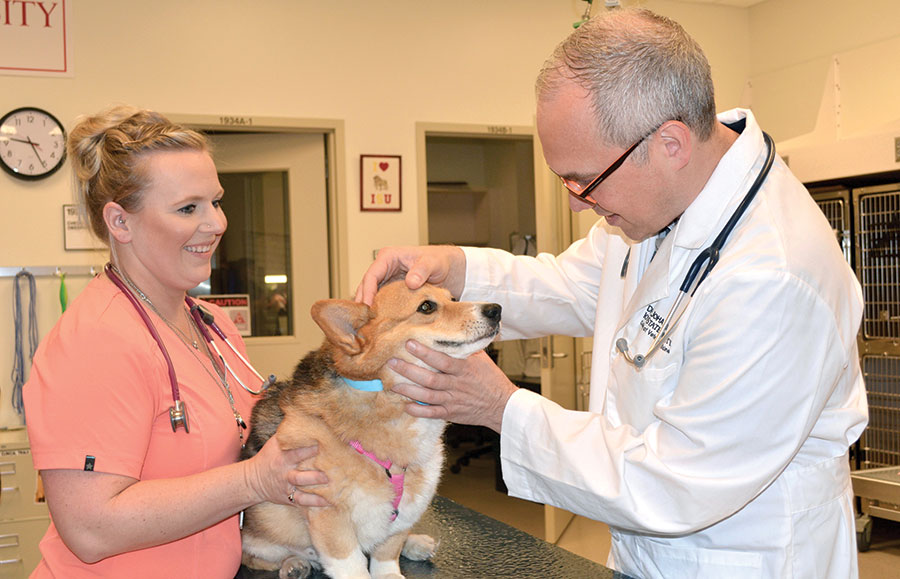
{"type": "Point", "coordinates": [474, 488]}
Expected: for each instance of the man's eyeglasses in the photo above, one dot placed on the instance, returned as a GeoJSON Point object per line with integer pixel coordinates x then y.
{"type": "Point", "coordinates": [582, 193]}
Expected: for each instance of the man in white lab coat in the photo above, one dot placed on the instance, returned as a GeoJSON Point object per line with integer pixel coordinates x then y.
{"type": "Point", "coordinates": [723, 453]}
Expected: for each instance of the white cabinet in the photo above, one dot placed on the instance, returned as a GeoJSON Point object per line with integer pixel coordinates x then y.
{"type": "Point", "coordinates": [24, 517]}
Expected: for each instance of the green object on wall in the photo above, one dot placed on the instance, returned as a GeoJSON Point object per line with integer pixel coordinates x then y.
{"type": "Point", "coordinates": [63, 294]}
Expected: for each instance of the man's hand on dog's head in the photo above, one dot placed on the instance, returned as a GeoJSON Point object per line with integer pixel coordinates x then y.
{"type": "Point", "coordinates": [440, 265]}
{"type": "Point", "coordinates": [471, 390]}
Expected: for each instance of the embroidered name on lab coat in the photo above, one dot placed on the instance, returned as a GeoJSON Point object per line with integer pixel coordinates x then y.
{"type": "Point", "coordinates": [651, 323]}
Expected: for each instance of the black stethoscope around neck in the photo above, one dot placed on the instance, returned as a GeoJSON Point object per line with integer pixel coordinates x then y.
{"type": "Point", "coordinates": [708, 257]}
{"type": "Point", "coordinates": [202, 318]}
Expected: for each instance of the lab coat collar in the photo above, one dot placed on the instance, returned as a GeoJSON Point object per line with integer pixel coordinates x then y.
{"type": "Point", "coordinates": [725, 189]}
{"type": "Point", "coordinates": [648, 273]}
{"type": "Point", "coordinates": [702, 220]}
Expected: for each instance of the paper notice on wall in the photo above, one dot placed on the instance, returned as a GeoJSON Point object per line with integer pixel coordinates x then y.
{"type": "Point", "coordinates": [76, 232]}
{"type": "Point", "coordinates": [36, 38]}
{"type": "Point", "coordinates": [236, 306]}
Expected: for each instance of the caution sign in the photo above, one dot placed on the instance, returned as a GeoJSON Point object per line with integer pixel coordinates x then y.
{"type": "Point", "coordinates": [237, 306]}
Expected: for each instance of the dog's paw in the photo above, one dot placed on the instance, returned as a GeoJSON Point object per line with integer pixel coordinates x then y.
{"type": "Point", "coordinates": [295, 568]}
{"type": "Point", "coordinates": [419, 547]}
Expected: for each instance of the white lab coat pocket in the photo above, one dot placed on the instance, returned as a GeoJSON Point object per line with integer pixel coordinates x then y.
{"type": "Point", "coordinates": [823, 520]}
{"type": "Point", "coordinates": [824, 542]}
{"type": "Point", "coordinates": [658, 559]}
{"type": "Point", "coordinates": [637, 392]}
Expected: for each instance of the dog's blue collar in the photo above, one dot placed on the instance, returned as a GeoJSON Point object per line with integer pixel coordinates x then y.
{"type": "Point", "coordinates": [365, 385]}
{"type": "Point", "coordinates": [375, 385]}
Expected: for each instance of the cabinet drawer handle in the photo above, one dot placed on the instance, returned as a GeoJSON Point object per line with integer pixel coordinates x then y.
{"type": "Point", "coordinates": [9, 489]}
{"type": "Point", "coordinates": [7, 468]}
{"type": "Point", "coordinates": [9, 540]}
{"type": "Point", "coordinates": [10, 561]}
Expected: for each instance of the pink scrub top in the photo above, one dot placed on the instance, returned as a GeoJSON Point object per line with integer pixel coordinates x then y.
{"type": "Point", "coordinates": [99, 388]}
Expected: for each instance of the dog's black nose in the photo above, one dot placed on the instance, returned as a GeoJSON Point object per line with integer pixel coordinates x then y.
{"type": "Point", "coordinates": [491, 311]}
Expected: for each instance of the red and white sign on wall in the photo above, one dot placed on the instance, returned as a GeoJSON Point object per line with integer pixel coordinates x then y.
{"type": "Point", "coordinates": [237, 306]}
{"type": "Point", "coordinates": [34, 37]}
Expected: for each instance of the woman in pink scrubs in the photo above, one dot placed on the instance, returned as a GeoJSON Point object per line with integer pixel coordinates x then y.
{"type": "Point", "coordinates": [129, 497]}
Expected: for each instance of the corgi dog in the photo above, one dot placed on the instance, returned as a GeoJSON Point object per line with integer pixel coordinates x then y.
{"type": "Point", "coordinates": [383, 465]}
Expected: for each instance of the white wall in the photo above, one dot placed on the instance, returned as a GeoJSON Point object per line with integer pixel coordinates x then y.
{"type": "Point", "coordinates": [825, 76]}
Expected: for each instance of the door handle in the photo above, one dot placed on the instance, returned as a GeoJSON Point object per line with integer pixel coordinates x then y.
{"type": "Point", "coordinates": [547, 354]}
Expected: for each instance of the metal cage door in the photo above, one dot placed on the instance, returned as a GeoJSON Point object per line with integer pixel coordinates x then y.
{"type": "Point", "coordinates": [835, 204]}
{"type": "Point", "coordinates": [878, 259]}
{"type": "Point", "coordinates": [877, 253]}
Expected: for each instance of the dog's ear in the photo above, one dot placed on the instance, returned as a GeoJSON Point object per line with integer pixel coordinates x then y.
{"type": "Point", "coordinates": [340, 320]}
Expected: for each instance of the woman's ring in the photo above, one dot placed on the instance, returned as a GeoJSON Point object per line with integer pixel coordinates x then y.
{"type": "Point", "coordinates": [291, 496]}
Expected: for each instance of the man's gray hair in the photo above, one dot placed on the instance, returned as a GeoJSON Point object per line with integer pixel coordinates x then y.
{"type": "Point", "coordinates": [641, 70]}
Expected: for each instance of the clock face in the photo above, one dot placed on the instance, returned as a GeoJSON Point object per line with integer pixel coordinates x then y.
{"type": "Point", "coordinates": [32, 143]}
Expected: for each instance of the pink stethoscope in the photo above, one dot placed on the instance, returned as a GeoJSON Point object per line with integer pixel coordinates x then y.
{"type": "Point", "coordinates": [202, 318]}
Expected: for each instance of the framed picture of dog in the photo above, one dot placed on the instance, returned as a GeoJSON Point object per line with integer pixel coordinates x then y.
{"type": "Point", "coordinates": [380, 183]}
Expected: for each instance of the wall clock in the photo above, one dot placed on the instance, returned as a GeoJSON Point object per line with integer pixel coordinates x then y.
{"type": "Point", "coordinates": [32, 143]}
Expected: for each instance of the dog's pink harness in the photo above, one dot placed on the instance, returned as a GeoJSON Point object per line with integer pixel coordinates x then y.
{"type": "Point", "coordinates": [396, 479]}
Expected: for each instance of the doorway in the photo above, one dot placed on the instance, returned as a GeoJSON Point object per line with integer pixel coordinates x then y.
{"type": "Point", "coordinates": [488, 186]}
{"type": "Point", "coordinates": [285, 202]}
{"type": "Point", "coordinates": [275, 251]}
{"type": "Point", "coordinates": [481, 194]}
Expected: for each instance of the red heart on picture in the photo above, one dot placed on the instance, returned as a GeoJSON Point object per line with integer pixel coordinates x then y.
{"type": "Point", "coordinates": [383, 166]}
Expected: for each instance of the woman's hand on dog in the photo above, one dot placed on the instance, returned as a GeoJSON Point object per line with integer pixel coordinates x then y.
{"type": "Point", "coordinates": [471, 390]}
{"type": "Point", "coordinates": [440, 265]}
{"type": "Point", "coordinates": [273, 475]}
